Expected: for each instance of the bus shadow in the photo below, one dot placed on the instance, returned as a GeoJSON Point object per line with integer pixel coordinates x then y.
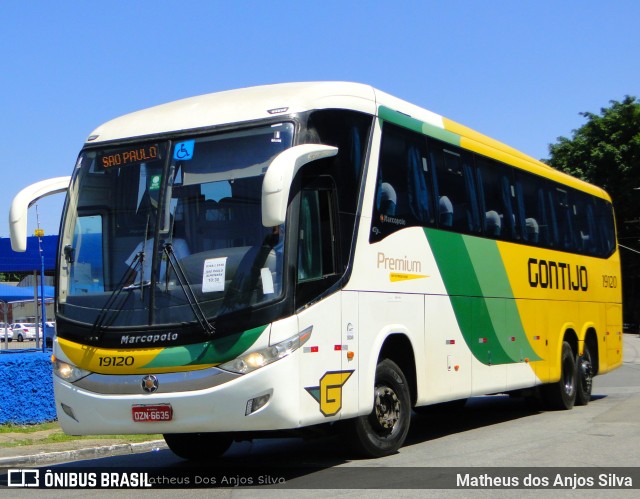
{"type": "Point", "coordinates": [316, 462]}
{"type": "Point", "coordinates": [330, 450]}
{"type": "Point", "coordinates": [478, 412]}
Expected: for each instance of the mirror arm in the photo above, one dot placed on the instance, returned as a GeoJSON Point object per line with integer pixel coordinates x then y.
{"type": "Point", "coordinates": [280, 174]}
{"type": "Point", "coordinates": [26, 198]}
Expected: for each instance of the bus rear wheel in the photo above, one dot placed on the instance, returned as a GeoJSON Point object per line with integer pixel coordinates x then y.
{"type": "Point", "coordinates": [585, 377]}
{"type": "Point", "coordinates": [198, 446]}
{"type": "Point", "coordinates": [562, 394]}
{"type": "Point", "coordinates": [385, 429]}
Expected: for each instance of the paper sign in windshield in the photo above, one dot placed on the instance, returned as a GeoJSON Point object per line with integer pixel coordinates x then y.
{"type": "Point", "coordinates": [213, 274]}
{"type": "Point", "coordinates": [267, 281]}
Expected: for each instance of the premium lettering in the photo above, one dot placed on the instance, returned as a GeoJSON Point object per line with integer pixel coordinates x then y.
{"type": "Point", "coordinates": [402, 264]}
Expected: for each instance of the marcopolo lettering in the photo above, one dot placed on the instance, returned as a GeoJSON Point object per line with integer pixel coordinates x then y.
{"type": "Point", "coordinates": [548, 274]}
{"type": "Point", "coordinates": [126, 339]}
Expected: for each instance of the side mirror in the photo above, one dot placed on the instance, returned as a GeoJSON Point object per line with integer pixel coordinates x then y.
{"type": "Point", "coordinates": [21, 203]}
{"type": "Point", "coordinates": [280, 173]}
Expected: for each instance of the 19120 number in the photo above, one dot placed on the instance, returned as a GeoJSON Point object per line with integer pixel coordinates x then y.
{"type": "Point", "coordinates": [115, 361]}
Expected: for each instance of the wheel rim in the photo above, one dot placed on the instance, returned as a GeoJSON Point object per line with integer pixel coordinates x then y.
{"type": "Point", "coordinates": [586, 374]}
{"type": "Point", "coordinates": [387, 409]}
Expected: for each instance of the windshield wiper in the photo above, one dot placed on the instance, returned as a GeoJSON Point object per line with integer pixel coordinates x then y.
{"type": "Point", "coordinates": [187, 290]}
{"type": "Point", "coordinates": [131, 272]}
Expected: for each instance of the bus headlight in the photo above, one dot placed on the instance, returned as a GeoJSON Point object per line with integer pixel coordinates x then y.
{"type": "Point", "coordinates": [68, 372]}
{"type": "Point", "coordinates": [259, 358]}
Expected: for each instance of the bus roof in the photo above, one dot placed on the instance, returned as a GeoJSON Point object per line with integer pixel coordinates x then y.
{"type": "Point", "coordinates": [267, 101]}
{"type": "Point", "coordinates": [232, 106]}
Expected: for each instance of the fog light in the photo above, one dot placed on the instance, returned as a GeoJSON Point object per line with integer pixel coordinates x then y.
{"type": "Point", "coordinates": [68, 411]}
{"type": "Point", "coordinates": [256, 403]}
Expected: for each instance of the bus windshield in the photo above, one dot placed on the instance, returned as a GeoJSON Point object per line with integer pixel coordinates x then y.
{"type": "Point", "coordinates": [170, 232]}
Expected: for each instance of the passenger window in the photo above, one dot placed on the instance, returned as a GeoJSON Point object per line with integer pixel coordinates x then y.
{"type": "Point", "coordinates": [455, 189]}
{"type": "Point", "coordinates": [584, 232]}
{"type": "Point", "coordinates": [498, 208]}
{"type": "Point", "coordinates": [404, 187]}
{"type": "Point", "coordinates": [534, 209]}
{"type": "Point", "coordinates": [603, 213]}
{"type": "Point", "coordinates": [563, 219]}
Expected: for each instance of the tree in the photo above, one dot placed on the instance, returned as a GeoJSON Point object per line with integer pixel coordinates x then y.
{"type": "Point", "coordinates": [9, 277]}
{"type": "Point", "coordinates": [605, 151]}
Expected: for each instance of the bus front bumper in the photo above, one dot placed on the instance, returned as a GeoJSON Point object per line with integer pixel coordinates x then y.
{"type": "Point", "coordinates": [209, 400]}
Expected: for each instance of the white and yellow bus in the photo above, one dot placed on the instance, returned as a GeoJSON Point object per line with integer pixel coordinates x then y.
{"type": "Point", "coordinates": [296, 255]}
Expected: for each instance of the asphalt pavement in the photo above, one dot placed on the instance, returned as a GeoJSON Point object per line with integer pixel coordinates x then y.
{"type": "Point", "coordinates": [39, 453]}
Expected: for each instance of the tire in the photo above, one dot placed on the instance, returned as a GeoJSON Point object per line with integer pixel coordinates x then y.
{"type": "Point", "coordinates": [585, 377]}
{"type": "Point", "coordinates": [561, 395]}
{"type": "Point", "coordinates": [198, 446]}
{"type": "Point", "coordinates": [385, 429]}
{"type": "Point", "coordinates": [20, 338]}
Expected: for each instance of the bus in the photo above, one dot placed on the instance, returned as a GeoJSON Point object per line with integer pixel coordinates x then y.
{"type": "Point", "coordinates": [296, 257]}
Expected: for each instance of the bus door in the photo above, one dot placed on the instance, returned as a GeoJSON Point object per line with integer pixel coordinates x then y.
{"type": "Point", "coordinates": [323, 373]}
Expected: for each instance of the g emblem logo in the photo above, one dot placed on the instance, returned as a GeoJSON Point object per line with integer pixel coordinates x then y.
{"type": "Point", "coordinates": [329, 393]}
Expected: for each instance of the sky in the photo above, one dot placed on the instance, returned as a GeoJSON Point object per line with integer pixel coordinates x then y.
{"type": "Point", "coordinates": [519, 71]}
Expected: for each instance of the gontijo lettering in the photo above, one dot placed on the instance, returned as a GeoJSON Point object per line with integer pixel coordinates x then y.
{"type": "Point", "coordinates": [557, 275]}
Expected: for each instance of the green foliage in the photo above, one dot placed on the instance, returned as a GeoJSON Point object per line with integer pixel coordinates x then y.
{"type": "Point", "coordinates": [9, 277]}
{"type": "Point", "coordinates": [606, 152]}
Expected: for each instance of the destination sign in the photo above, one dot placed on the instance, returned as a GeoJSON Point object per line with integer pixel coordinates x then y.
{"type": "Point", "coordinates": [130, 156]}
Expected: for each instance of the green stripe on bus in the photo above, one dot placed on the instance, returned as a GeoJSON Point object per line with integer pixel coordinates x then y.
{"type": "Point", "coordinates": [476, 280]}
{"type": "Point", "coordinates": [403, 120]}
{"type": "Point", "coordinates": [215, 351]}
{"type": "Point", "coordinates": [496, 289]}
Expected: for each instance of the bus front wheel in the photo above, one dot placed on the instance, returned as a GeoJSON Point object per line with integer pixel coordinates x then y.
{"type": "Point", "coordinates": [384, 430]}
{"type": "Point", "coordinates": [562, 394]}
{"type": "Point", "coordinates": [198, 446]}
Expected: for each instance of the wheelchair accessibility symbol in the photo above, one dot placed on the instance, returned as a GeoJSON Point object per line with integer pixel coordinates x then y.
{"type": "Point", "coordinates": [183, 151]}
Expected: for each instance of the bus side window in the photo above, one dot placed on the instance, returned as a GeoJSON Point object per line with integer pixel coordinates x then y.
{"type": "Point", "coordinates": [349, 132]}
{"type": "Point", "coordinates": [499, 210]}
{"type": "Point", "coordinates": [455, 188]}
{"type": "Point", "coordinates": [605, 225]}
{"type": "Point", "coordinates": [404, 188]}
{"type": "Point", "coordinates": [564, 213]}
{"type": "Point", "coordinates": [586, 232]}
{"type": "Point", "coordinates": [534, 215]}
{"type": "Point", "coordinates": [317, 251]}
{"type": "Point", "coordinates": [309, 238]}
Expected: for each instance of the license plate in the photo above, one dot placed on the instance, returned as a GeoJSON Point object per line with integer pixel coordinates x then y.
{"type": "Point", "coordinates": [151, 413]}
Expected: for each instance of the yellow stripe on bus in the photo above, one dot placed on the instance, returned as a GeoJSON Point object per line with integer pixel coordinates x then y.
{"type": "Point", "coordinates": [120, 361]}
